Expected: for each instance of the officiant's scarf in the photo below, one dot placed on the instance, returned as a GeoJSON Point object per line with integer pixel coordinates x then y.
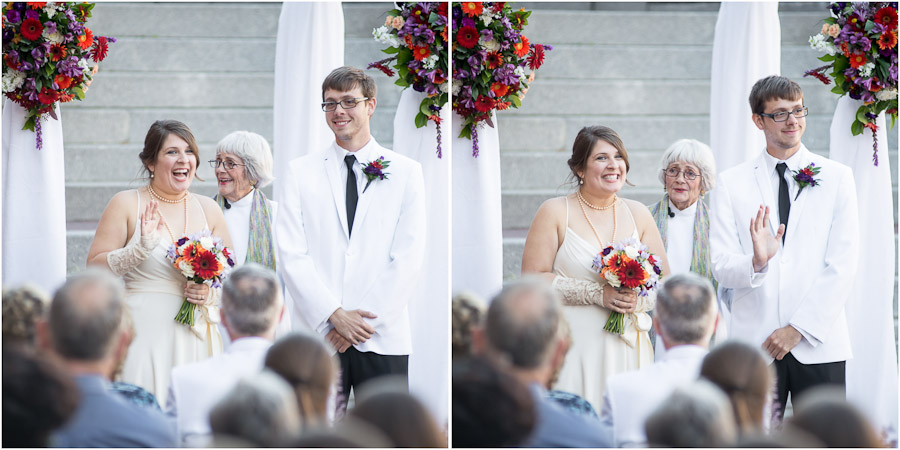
{"type": "Point", "coordinates": [700, 255]}
{"type": "Point", "coordinates": [260, 249]}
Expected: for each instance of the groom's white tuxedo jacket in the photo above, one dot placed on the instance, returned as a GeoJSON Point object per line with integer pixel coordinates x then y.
{"type": "Point", "coordinates": [808, 282]}
{"type": "Point", "coordinates": [374, 269]}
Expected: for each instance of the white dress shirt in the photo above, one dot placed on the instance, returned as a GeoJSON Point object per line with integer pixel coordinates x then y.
{"type": "Point", "coordinates": [680, 238]}
{"type": "Point", "coordinates": [238, 220]}
{"type": "Point", "coordinates": [364, 156]}
{"type": "Point", "coordinates": [793, 163]}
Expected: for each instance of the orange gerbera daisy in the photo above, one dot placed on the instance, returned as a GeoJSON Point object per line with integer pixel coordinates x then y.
{"type": "Point", "coordinates": [421, 52]}
{"type": "Point", "coordinates": [63, 81]}
{"type": "Point", "coordinates": [472, 9]}
{"type": "Point", "coordinates": [86, 40]}
{"type": "Point", "coordinates": [858, 60]}
{"type": "Point", "coordinates": [522, 47]}
{"type": "Point", "coordinates": [499, 89]}
{"type": "Point", "coordinates": [888, 40]}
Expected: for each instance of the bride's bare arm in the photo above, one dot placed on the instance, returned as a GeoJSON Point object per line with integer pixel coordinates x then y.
{"type": "Point", "coordinates": [543, 239]}
{"type": "Point", "coordinates": [109, 248]}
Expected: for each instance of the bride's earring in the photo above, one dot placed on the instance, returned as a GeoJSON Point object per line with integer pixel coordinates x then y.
{"type": "Point", "coordinates": [151, 174]}
{"type": "Point", "coordinates": [580, 181]}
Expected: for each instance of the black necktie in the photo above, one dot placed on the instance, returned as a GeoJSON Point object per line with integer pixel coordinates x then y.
{"type": "Point", "coordinates": [352, 194]}
{"type": "Point", "coordinates": [784, 198]}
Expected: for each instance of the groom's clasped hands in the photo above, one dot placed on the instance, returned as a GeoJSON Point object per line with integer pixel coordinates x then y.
{"type": "Point", "coordinates": [350, 328]}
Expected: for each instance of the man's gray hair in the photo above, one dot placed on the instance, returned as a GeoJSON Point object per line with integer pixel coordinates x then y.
{"type": "Point", "coordinates": [251, 299]}
{"type": "Point", "coordinates": [255, 154]}
{"type": "Point", "coordinates": [261, 409]}
{"type": "Point", "coordinates": [691, 151]}
{"type": "Point", "coordinates": [522, 322]}
{"type": "Point", "coordinates": [686, 308]}
{"type": "Point", "coordinates": [86, 315]}
{"type": "Point", "coordinates": [695, 415]}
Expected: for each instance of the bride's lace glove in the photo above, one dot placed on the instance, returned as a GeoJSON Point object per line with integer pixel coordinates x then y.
{"type": "Point", "coordinates": [646, 303]}
{"type": "Point", "coordinates": [576, 292]}
{"type": "Point", "coordinates": [121, 261]}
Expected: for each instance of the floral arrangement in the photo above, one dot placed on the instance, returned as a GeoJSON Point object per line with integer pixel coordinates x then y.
{"type": "Point", "coordinates": [627, 264]}
{"type": "Point", "coordinates": [49, 56]}
{"type": "Point", "coordinates": [806, 177]}
{"type": "Point", "coordinates": [416, 34]}
{"type": "Point", "coordinates": [860, 44]}
{"type": "Point", "coordinates": [203, 259]}
{"type": "Point", "coordinates": [375, 171]}
{"type": "Point", "coordinates": [490, 56]}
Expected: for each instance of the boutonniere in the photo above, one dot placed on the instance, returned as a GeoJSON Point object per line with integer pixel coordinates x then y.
{"type": "Point", "coordinates": [375, 170]}
{"type": "Point", "coordinates": [806, 177]}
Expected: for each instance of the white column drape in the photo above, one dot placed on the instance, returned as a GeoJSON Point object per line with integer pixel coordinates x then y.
{"type": "Point", "coordinates": [429, 311]}
{"type": "Point", "coordinates": [747, 47]}
{"type": "Point", "coordinates": [872, 372]}
{"type": "Point", "coordinates": [477, 220]}
{"type": "Point", "coordinates": [34, 202]}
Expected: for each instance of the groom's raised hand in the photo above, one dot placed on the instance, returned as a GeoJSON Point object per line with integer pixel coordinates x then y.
{"type": "Point", "coordinates": [351, 326]}
{"type": "Point", "coordinates": [765, 246]}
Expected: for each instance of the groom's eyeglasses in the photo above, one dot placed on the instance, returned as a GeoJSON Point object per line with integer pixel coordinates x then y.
{"type": "Point", "coordinates": [347, 103]}
{"type": "Point", "coordinates": [783, 116]}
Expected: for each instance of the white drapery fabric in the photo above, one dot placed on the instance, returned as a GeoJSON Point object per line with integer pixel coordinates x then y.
{"type": "Point", "coordinates": [310, 45]}
{"type": "Point", "coordinates": [34, 202]}
{"type": "Point", "coordinates": [477, 219]}
{"type": "Point", "coordinates": [429, 311]}
{"type": "Point", "coordinates": [747, 47]}
{"type": "Point", "coordinates": [872, 373]}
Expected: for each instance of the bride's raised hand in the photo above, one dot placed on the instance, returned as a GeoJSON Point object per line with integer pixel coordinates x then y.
{"type": "Point", "coordinates": [151, 219]}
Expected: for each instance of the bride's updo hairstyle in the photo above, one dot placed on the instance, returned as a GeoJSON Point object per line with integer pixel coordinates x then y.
{"type": "Point", "coordinates": [156, 137]}
{"type": "Point", "coordinates": [584, 144]}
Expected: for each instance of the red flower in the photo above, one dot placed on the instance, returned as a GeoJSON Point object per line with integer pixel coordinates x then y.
{"type": "Point", "coordinates": [871, 126]}
{"type": "Point", "coordinates": [484, 104]}
{"type": "Point", "coordinates": [472, 9]}
{"type": "Point", "coordinates": [31, 29]}
{"type": "Point", "coordinates": [499, 89]}
{"type": "Point", "coordinates": [36, 5]}
{"type": "Point", "coordinates": [85, 40]}
{"type": "Point", "coordinates": [421, 52]}
{"type": "Point", "coordinates": [503, 105]}
{"type": "Point", "coordinates": [498, 6]}
{"type": "Point", "coordinates": [10, 63]}
{"type": "Point", "coordinates": [857, 60]}
{"type": "Point", "coordinates": [854, 21]}
{"type": "Point", "coordinates": [442, 9]}
{"type": "Point", "coordinates": [63, 81]}
{"type": "Point", "coordinates": [493, 60]}
{"type": "Point", "coordinates": [205, 265]}
{"type": "Point", "coordinates": [845, 49]}
{"type": "Point", "coordinates": [521, 48]}
{"type": "Point", "coordinates": [64, 98]}
{"type": "Point", "coordinates": [536, 59]}
{"type": "Point", "coordinates": [631, 274]}
{"type": "Point", "coordinates": [887, 17]}
{"type": "Point", "coordinates": [48, 96]}
{"type": "Point", "coordinates": [57, 52]}
{"type": "Point", "coordinates": [888, 40]}
{"type": "Point", "coordinates": [467, 37]}
{"type": "Point", "coordinates": [100, 49]}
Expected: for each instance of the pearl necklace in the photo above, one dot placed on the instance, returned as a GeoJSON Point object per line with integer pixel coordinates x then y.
{"type": "Point", "coordinates": [582, 202]}
{"type": "Point", "coordinates": [163, 199]}
{"type": "Point", "coordinates": [598, 208]}
{"type": "Point", "coordinates": [166, 222]}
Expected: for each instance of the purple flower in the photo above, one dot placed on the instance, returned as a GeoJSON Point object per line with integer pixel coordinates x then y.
{"type": "Point", "coordinates": [487, 34]}
{"type": "Point", "coordinates": [32, 14]}
{"type": "Point", "coordinates": [13, 56]}
{"type": "Point", "coordinates": [49, 27]}
{"type": "Point", "coordinates": [69, 15]}
{"type": "Point", "coordinates": [837, 7]}
{"type": "Point", "coordinates": [26, 66]}
{"type": "Point", "coordinates": [431, 89]}
{"type": "Point", "coordinates": [468, 22]}
{"type": "Point", "coordinates": [893, 72]}
{"type": "Point", "coordinates": [182, 241]}
{"type": "Point", "coordinates": [506, 75]}
{"type": "Point", "coordinates": [867, 97]}
{"type": "Point", "coordinates": [69, 67]}
{"type": "Point", "coordinates": [76, 27]}
{"type": "Point", "coordinates": [475, 61]}
{"type": "Point", "coordinates": [606, 251]}
{"type": "Point", "coordinates": [8, 34]}
{"type": "Point", "coordinates": [68, 37]}
{"type": "Point", "coordinates": [19, 6]}
{"type": "Point", "coordinates": [13, 16]}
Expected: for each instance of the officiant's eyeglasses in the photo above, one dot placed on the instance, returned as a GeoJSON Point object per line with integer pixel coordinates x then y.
{"type": "Point", "coordinates": [347, 103]}
{"type": "Point", "coordinates": [215, 163]}
{"type": "Point", "coordinates": [782, 116]}
{"type": "Point", "coordinates": [688, 174]}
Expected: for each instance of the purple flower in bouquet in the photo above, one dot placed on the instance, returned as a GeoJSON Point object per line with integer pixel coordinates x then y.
{"type": "Point", "coordinates": [893, 71]}
{"type": "Point", "coordinates": [13, 56]}
{"type": "Point", "coordinates": [837, 7]}
{"type": "Point", "coordinates": [487, 34]}
{"type": "Point", "coordinates": [69, 67]}
{"type": "Point", "coordinates": [38, 55]}
{"type": "Point", "coordinates": [76, 27]}
{"type": "Point", "coordinates": [69, 15]}
{"type": "Point", "coordinates": [468, 22]}
{"type": "Point", "coordinates": [49, 27]}
{"type": "Point", "coordinates": [475, 60]}
{"type": "Point", "coordinates": [506, 75]}
{"type": "Point", "coordinates": [32, 14]}
{"type": "Point", "coordinates": [13, 16]}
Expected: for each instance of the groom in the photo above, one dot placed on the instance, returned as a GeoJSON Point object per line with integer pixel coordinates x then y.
{"type": "Point", "coordinates": [351, 242]}
{"type": "Point", "coordinates": [786, 244]}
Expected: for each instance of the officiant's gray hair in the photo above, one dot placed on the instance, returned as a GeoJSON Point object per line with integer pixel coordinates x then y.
{"type": "Point", "coordinates": [694, 152]}
{"type": "Point", "coordinates": [773, 87]}
{"type": "Point", "coordinates": [254, 152]}
{"type": "Point", "coordinates": [251, 299]}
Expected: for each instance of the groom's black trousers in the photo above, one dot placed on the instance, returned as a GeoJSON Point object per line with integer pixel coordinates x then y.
{"type": "Point", "coordinates": [797, 378]}
{"type": "Point", "coordinates": [358, 367]}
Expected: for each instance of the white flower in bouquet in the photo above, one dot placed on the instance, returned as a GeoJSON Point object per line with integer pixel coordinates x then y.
{"type": "Point", "coordinates": [886, 94]}
{"type": "Point", "coordinates": [445, 86]}
{"type": "Point", "coordinates": [487, 17]}
{"type": "Point", "coordinates": [207, 242]}
{"type": "Point", "coordinates": [820, 43]}
{"type": "Point", "coordinates": [50, 9]}
{"type": "Point", "coordinates": [490, 45]}
{"type": "Point", "coordinates": [383, 35]}
{"type": "Point", "coordinates": [866, 69]}
{"type": "Point", "coordinates": [186, 268]}
{"type": "Point", "coordinates": [430, 62]}
{"type": "Point", "coordinates": [520, 71]}
{"type": "Point", "coordinates": [631, 252]}
{"type": "Point", "coordinates": [457, 85]}
{"type": "Point", "coordinates": [12, 80]}
{"type": "Point", "coordinates": [612, 279]}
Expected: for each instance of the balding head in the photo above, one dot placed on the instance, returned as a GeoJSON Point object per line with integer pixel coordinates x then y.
{"type": "Point", "coordinates": [522, 323]}
{"type": "Point", "coordinates": [85, 316]}
{"type": "Point", "coordinates": [686, 310]}
{"type": "Point", "coordinates": [251, 301]}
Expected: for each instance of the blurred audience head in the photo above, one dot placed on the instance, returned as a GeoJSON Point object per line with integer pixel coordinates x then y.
{"type": "Point", "coordinates": [741, 372]}
{"type": "Point", "coordinates": [403, 419]}
{"type": "Point", "coordinates": [251, 302]}
{"type": "Point", "coordinates": [522, 328]}
{"type": "Point", "coordinates": [38, 397]}
{"type": "Point", "coordinates": [491, 408]}
{"type": "Point", "coordinates": [686, 310]}
{"type": "Point", "coordinates": [468, 312]}
{"type": "Point", "coordinates": [85, 320]}
{"type": "Point", "coordinates": [23, 307]}
{"type": "Point", "coordinates": [260, 409]}
{"type": "Point", "coordinates": [825, 413]}
{"type": "Point", "coordinates": [348, 433]}
{"type": "Point", "coordinates": [306, 364]}
{"type": "Point", "coordinates": [695, 415]}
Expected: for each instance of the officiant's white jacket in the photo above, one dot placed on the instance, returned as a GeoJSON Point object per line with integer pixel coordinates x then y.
{"type": "Point", "coordinates": [808, 282]}
{"type": "Point", "coordinates": [377, 268]}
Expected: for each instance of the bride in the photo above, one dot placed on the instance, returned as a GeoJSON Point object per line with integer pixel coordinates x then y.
{"type": "Point", "coordinates": [134, 233]}
{"type": "Point", "coordinates": [566, 235]}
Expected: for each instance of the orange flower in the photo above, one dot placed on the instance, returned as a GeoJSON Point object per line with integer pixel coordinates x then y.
{"type": "Point", "coordinates": [206, 265]}
{"type": "Point", "coordinates": [888, 40]}
{"type": "Point", "coordinates": [63, 81]}
{"type": "Point", "coordinates": [858, 60]}
{"type": "Point", "coordinates": [36, 5]}
{"type": "Point", "coordinates": [57, 52]}
{"type": "Point", "coordinates": [421, 52]}
{"type": "Point", "coordinates": [499, 89]}
{"type": "Point", "coordinates": [472, 9]}
{"type": "Point", "coordinates": [493, 60]}
{"type": "Point", "coordinates": [522, 47]}
{"type": "Point", "coordinates": [86, 40]}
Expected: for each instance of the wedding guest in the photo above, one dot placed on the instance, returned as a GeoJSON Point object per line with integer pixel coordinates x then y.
{"type": "Point", "coordinates": [84, 328]}
{"type": "Point", "coordinates": [348, 433]}
{"type": "Point", "coordinates": [23, 307]}
{"type": "Point", "coordinates": [693, 415]}
{"type": "Point", "coordinates": [686, 316]}
{"type": "Point", "coordinates": [521, 330]}
{"type": "Point", "coordinates": [38, 397]}
{"type": "Point", "coordinates": [306, 364]}
{"type": "Point", "coordinates": [251, 309]}
{"type": "Point", "coordinates": [134, 233]}
{"type": "Point", "coordinates": [565, 237]}
{"type": "Point", "coordinates": [350, 241]}
{"type": "Point", "coordinates": [467, 311]}
{"type": "Point", "coordinates": [740, 370]}
{"type": "Point", "coordinates": [491, 408]}
{"type": "Point", "coordinates": [826, 414]}
{"type": "Point", "coordinates": [260, 409]}
{"type": "Point", "coordinates": [402, 418]}
{"type": "Point", "coordinates": [789, 268]}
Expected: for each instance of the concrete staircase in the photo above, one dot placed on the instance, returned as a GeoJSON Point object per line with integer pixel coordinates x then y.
{"type": "Point", "coordinates": [209, 65]}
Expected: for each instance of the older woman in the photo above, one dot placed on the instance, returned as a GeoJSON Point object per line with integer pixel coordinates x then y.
{"type": "Point", "coordinates": [134, 233]}
{"type": "Point", "coordinates": [565, 236]}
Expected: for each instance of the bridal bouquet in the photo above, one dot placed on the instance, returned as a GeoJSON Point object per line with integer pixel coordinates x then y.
{"type": "Point", "coordinates": [416, 34]}
{"type": "Point", "coordinates": [627, 264]}
{"type": "Point", "coordinates": [860, 44]}
{"type": "Point", "coordinates": [203, 259]}
{"type": "Point", "coordinates": [490, 56]}
{"type": "Point", "coordinates": [49, 56]}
